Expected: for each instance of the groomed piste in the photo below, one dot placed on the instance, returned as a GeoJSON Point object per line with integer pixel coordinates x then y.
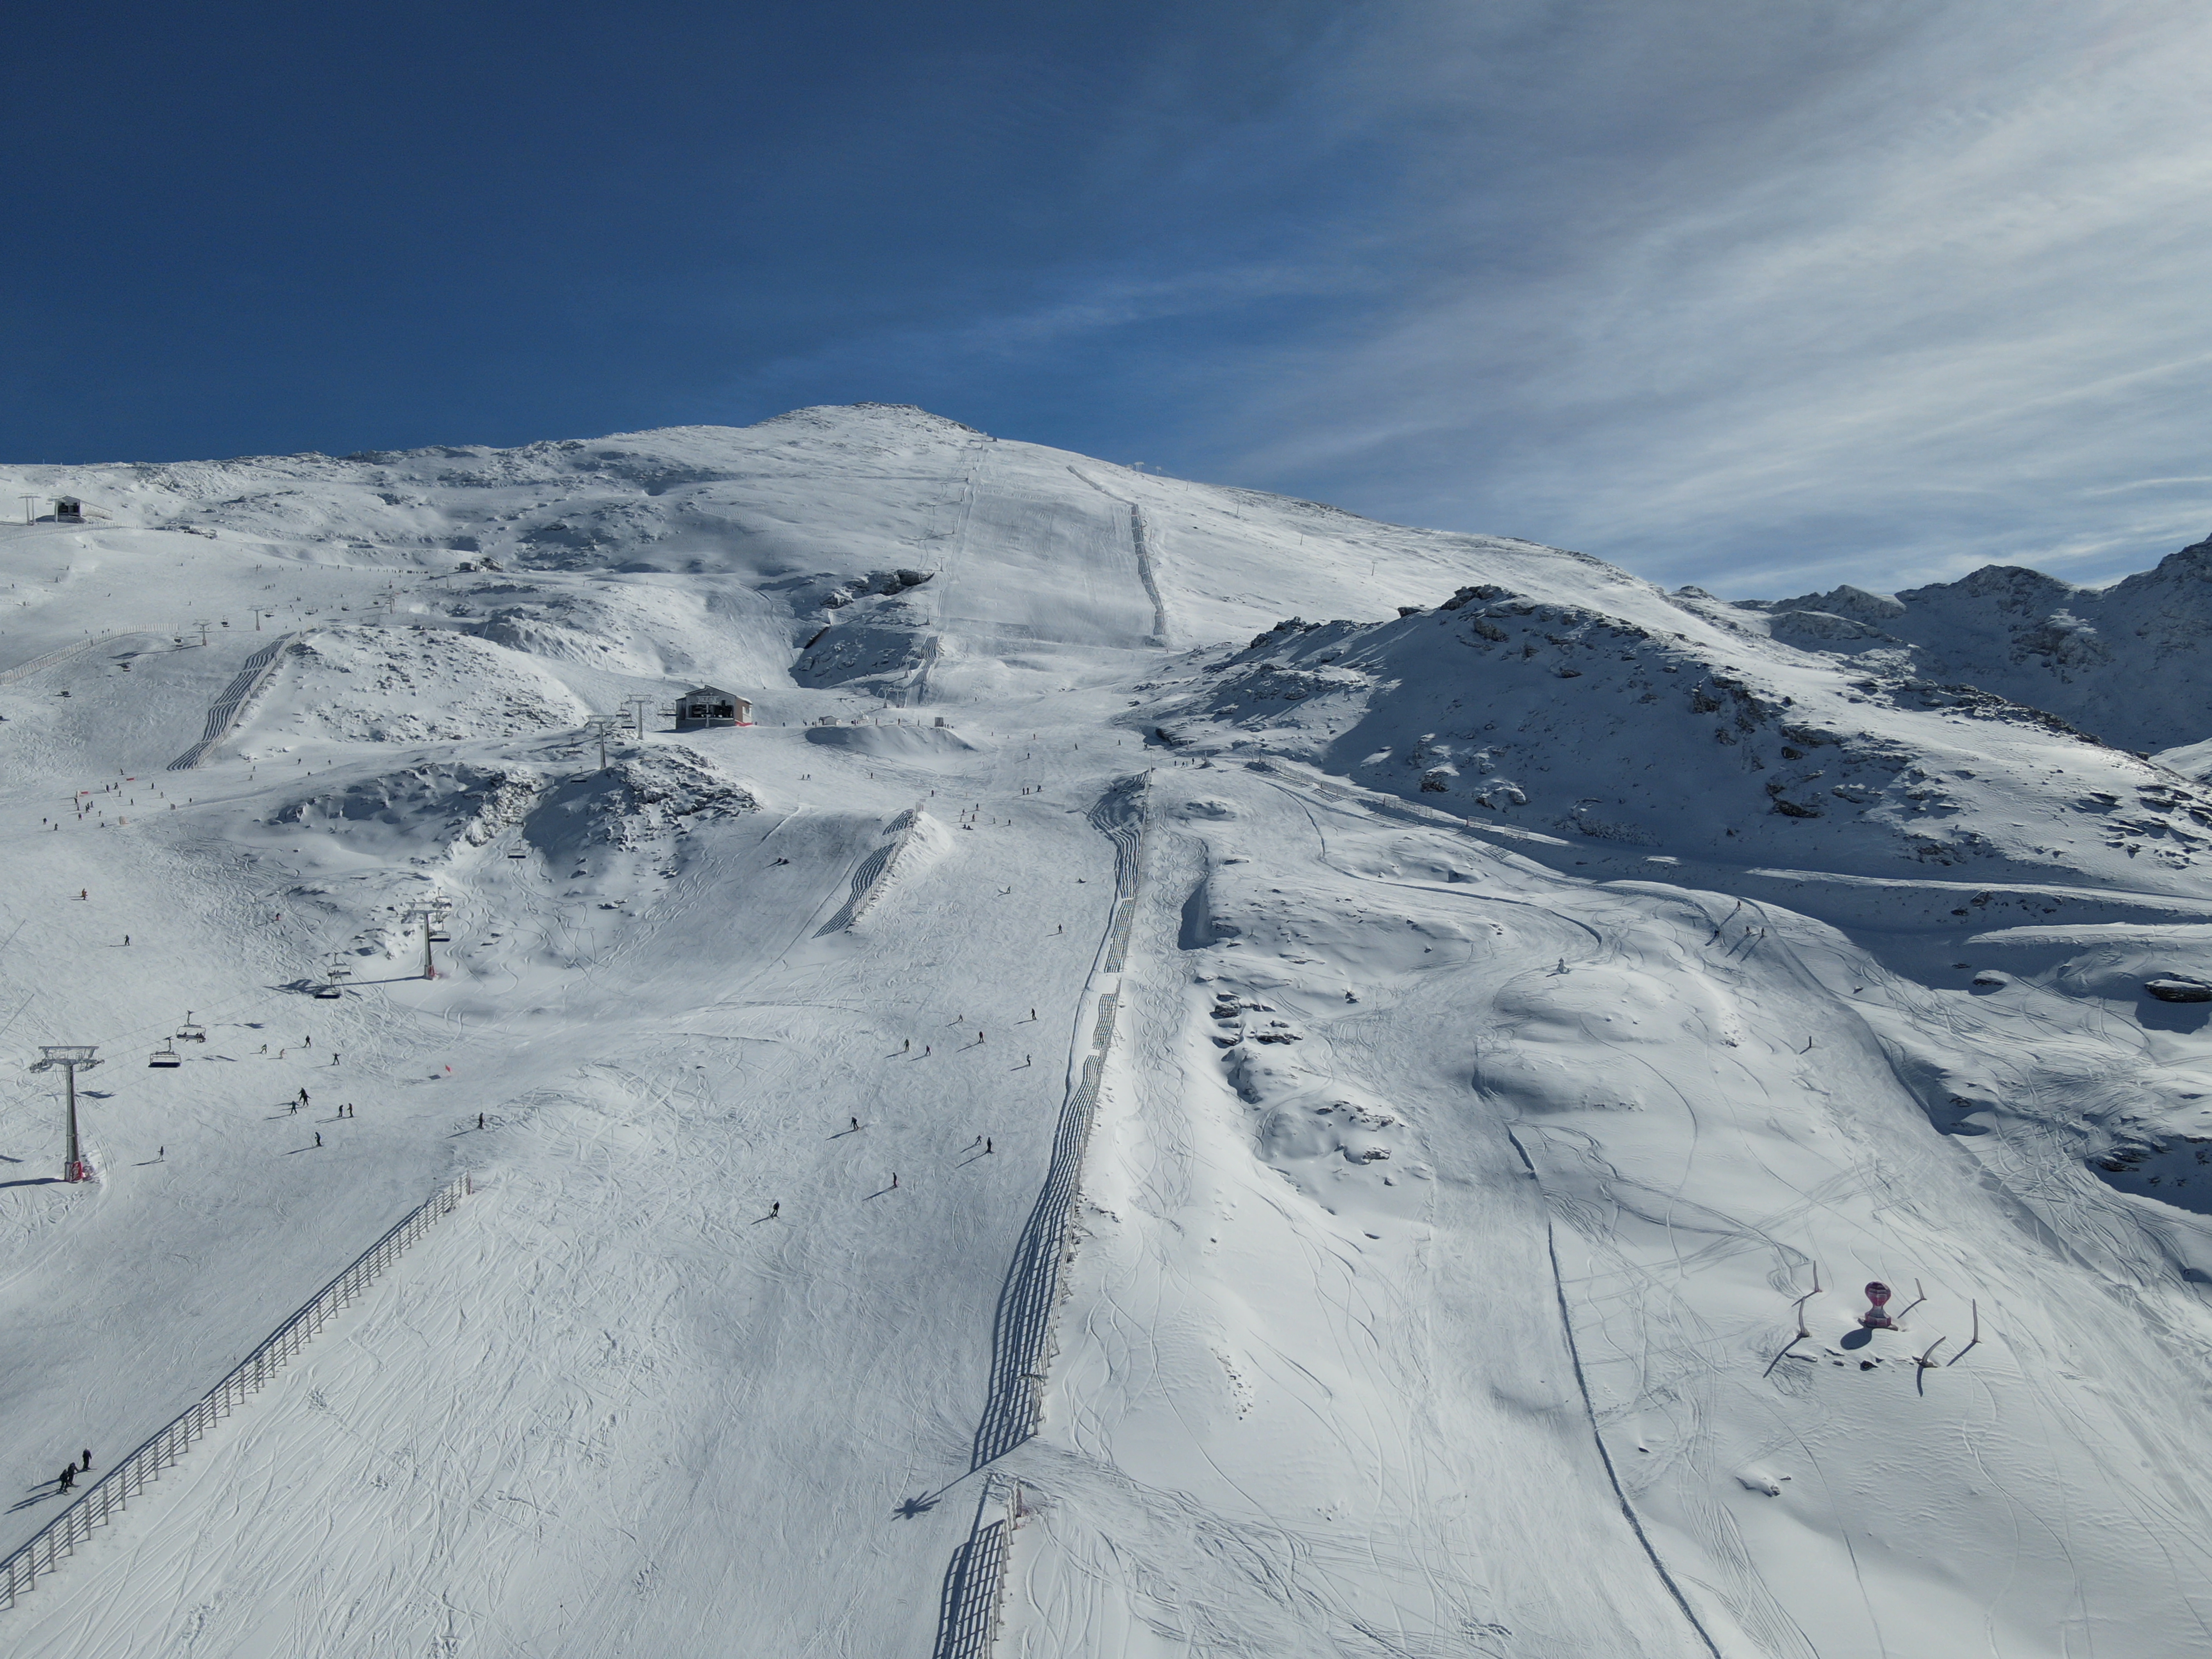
{"type": "Point", "coordinates": [1208, 1076]}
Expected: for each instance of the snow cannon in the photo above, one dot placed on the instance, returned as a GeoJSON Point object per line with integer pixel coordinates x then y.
{"type": "Point", "coordinates": [1876, 1317]}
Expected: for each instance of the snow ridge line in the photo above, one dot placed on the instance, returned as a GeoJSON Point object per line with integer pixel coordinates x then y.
{"type": "Point", "coordinates": [24, 670]}
{"type": "Point", "coordinates": [1022, 1335]}
{"type": "Point", "coordinates": [129, 1479]}
{"type": "Point", "coordinates": [227, 708]}
{"type": "Point", "coordinates": [1589, 1409]}
{"type": "Point", "coordinates": [868, 876]}
{"type": "Point", "coordinates": [1141, 542]}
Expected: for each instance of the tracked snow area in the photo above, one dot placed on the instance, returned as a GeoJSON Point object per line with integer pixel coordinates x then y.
{"type": "Point", "coordinates": [1312, 1144]}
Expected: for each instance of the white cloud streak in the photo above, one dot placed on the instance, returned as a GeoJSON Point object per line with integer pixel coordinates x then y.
{"type": "Point", "coordinates": [1765, 297]}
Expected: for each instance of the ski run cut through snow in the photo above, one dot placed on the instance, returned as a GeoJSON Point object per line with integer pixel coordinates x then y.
{"type": "Point", "coordinates": [1203, 1077]}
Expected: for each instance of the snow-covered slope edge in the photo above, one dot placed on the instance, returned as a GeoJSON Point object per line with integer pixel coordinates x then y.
{"type": "Point", "coordinates": [1584, 722]}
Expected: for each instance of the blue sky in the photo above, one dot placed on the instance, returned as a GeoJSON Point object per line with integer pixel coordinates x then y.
{"type": "Point", "coordinates": [1758, 296]}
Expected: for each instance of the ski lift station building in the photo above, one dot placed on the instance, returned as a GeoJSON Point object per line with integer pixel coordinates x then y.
{"type": "Point", "coordinates": [66, 509]}
{"type": "Point", "coordinates": [709, 705]}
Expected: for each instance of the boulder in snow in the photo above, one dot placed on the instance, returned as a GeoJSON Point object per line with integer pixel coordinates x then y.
{"type": "Point", "coordinates": [2178, 990]}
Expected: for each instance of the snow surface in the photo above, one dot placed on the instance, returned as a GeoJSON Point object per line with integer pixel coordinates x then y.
{"type": "Point", "coordinates": [1496, 1016]}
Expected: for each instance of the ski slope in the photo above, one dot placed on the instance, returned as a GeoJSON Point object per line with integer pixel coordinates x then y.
{"type": "Point", "coordinates": [1295, 1209]}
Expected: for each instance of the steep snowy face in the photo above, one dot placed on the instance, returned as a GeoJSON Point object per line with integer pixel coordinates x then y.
{"type": "Point", "coordinates": [2132, 662]}
{"type": "Point", "coordinates": [1140, 1201]}
{"type": "Point", "coordinates": [877, 547]}
{"type": "Point", "coordinates": [1583, 723]}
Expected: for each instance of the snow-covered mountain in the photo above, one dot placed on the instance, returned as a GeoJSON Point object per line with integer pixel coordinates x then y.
{"type": "Point", "coordinates": [2131, 661]}
{"type": "Point", "coordinates": [1113, 1120]}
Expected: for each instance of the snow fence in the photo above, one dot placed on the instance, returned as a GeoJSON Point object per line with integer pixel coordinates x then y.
{"type": "Point", "coordinates": [1021, 1346]}
{"type": "Point", "coordinates": [869, 877]}
{"type": "Point", "coordinates": [251, 676]}
{"type": "Point", "coordinates": [127, 1479]}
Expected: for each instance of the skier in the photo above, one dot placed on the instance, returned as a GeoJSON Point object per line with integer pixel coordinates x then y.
{"type": "Point", "coordinates": [69, 1476]}
{"type": "Point", "coordinates": [88, 1457]}
{"type": "Point", "coordinates": [161, 1154]}
{"type": "Point", "coordinates": [319, 1137]}
{"type": "Point", "coordinates": [775, 1209]}
{"type": "Point", "coordinates": [907, 1046]}
{"type": "Point", "coordinates": [925, 1051]}
{"type": "Point", "coordinates": [856, 1125]}
{"type": "Point", "coordinates": [894, 1180]}
{"type": "Point", "coordinates": [303, 1096]}
{"type": "Point", "coordinates": [126, 939]}
{"type": "Point", "coordinates": [294, 1108]}
{"type": "Point", "coordinates": [986, 1143]}
{"type": "Point", "coordinates": [480, 1122]}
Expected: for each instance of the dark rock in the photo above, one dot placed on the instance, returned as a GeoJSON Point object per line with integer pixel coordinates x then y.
{"type": "Point", "coordinates": [2178, 990]}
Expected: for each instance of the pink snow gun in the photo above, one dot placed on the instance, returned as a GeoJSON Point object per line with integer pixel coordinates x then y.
{"type": "Point", "coordinates": [1876, 1318]}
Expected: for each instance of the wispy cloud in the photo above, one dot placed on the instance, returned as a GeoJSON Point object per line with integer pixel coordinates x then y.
{"type": "Point", "coordinates": [1758, 296]}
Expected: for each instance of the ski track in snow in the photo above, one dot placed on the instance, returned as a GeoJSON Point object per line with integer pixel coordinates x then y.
{"type": "Point", "coordinates": [1395, 1220]}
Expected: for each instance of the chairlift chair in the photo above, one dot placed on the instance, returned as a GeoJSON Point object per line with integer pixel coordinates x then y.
{"type": "Point", "coordinates": [326, 993]}
{"type": "Point", "coordinates": [165, 1059]}
{"type": "Point", "coordinates": [189, 1032]}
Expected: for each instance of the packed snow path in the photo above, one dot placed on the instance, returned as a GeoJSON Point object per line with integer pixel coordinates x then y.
{"type": "Point", "coordinates": [1021, 1345]}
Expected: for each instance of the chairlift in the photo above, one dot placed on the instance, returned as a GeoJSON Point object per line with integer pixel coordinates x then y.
{"type": "Point", "coordinates": [165, 1059]}
{"type": "Point", "coordinates": [326, 993]}
{"type": "Point", "coordinates": [520, 853]}
{"type": "Point", "coordinates": [189, 1032]}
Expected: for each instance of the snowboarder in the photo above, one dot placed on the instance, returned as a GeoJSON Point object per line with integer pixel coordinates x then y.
{"type": "Point", "coordinates": [319, 1137]}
